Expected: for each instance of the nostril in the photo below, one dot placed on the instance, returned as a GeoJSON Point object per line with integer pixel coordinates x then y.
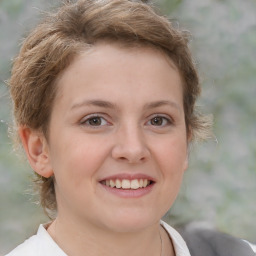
{"type": "Point", "coordinates": [130, 152]}
{"type": "Point", "coordinates": [134, 159]}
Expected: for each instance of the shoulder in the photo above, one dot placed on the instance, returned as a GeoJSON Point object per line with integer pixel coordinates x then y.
{"type": "Point", "coordinates": [40, 244]}
{"type": "Point", "coordinates": [204, 241]}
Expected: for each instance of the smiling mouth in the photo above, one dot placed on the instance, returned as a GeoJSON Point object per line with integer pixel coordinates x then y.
{"type": "Point", "coordinates": [127, 184]}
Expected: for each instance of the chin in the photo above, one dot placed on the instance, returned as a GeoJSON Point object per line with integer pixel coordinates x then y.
{"type": "Point", "coordinates": [130, 221]}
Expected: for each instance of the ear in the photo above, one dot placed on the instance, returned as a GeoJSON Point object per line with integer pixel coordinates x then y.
{"type": "Point", "coordinates": [37, 151]}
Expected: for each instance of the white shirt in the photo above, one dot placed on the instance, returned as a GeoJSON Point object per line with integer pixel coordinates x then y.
{"type": "Point", "coordinates": [253, 246]}
{"type": "Point", "coordinates": [42, 244]}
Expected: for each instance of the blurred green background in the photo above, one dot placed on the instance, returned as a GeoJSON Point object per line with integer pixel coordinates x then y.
{"type": "Point", "coordinates": [220, 185]}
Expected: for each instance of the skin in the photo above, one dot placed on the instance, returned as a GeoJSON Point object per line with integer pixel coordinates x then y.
{"type": "Point", "coordinates": [135, 97]}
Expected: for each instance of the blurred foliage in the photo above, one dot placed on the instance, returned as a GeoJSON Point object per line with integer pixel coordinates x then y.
{"type": "Point", "coordinates": [12, 8]}
{"type": "Point", "coordinates": [219, 187]}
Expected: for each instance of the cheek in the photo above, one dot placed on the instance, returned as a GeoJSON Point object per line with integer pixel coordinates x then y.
{"type": "Point", "coordinates": [173, 162]}
{"type": "Point", "coordinates": [76, 160]}
{"type": "Point", "coordinates": [172, 156]}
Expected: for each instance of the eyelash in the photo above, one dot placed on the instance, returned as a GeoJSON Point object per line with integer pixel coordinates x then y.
{"type": "Point", "coordinates": [85, 121]}
{"type": "Point", "coordinates": [165, 121]}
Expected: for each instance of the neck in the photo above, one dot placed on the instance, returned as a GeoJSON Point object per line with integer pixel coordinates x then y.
{"type": "Point", "coordinates": [76, 239]}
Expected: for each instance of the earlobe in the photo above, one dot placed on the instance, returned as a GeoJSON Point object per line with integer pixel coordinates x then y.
{"type": "Point", "coordinates": [36, 148]}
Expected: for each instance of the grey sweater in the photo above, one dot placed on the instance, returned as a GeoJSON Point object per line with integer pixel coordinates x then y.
{"type": "Point", "coordinates": [207, 242]}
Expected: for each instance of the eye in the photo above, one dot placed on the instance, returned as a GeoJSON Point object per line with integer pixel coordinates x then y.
{"type": "Point", "coordinates": [94, 121]}
{"type": "Point", "coordinates": [159, 121]}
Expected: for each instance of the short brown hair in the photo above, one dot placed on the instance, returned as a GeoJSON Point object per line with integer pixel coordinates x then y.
{"type": "Point", "coordinates": [52, 45]}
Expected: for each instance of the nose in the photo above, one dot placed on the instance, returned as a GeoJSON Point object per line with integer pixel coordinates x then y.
{"type": "Point", "coordinates": [130, 146]}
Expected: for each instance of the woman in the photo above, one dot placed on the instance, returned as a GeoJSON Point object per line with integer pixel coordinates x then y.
{"type": "Point", "coordinates": [104, 101]}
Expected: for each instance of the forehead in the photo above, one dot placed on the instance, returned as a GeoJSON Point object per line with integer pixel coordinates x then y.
{"type": "Point", "coordinates": [108, 64]}
{"type": "Point", "coordinates": [110, 50]}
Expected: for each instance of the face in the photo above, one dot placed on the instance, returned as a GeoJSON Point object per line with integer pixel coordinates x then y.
{"type": "Point", "coordinates": [117, 138]}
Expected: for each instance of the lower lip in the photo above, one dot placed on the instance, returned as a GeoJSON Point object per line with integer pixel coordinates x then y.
{"type": "Point", "coordinates": [129, 193]}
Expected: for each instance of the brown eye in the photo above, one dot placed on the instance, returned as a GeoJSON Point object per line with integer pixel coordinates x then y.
{"type": "Point", "coordinates": [158, 121]}
{"type": "Point", "coordinates": [94, 121]}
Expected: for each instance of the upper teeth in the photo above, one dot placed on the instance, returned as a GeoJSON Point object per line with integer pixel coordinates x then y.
{"type": "Point", "coordinates": [127, 184]}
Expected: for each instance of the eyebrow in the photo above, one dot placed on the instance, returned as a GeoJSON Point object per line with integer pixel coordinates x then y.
{"type": "Point", "coordinates": [99, 103]}
{"type": "Point", "coordinates": [107, 104]}
{"type": "Point", "coordinates": [161, 103]}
